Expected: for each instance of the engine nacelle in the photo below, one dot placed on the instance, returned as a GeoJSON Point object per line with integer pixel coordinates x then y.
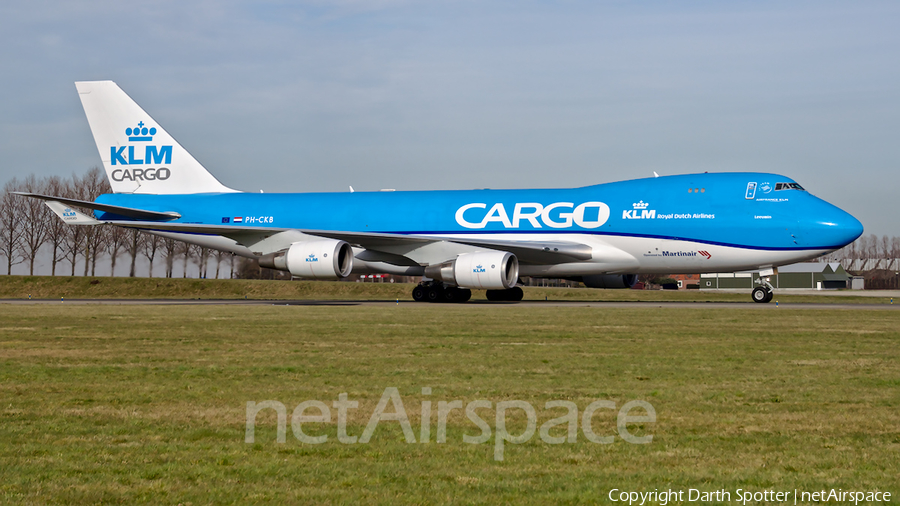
{"type": "Point", "coordinates": [609, 280]}
{"type": "Point", "coordinates": [492, 270]}
{"type": "Point", "coordinates": [317, 259]}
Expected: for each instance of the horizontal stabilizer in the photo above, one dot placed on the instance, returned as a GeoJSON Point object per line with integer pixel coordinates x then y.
{"type": "Point", "coordinates": [127, 212]}
{"type": "Point", "coordinates": [69, 215]}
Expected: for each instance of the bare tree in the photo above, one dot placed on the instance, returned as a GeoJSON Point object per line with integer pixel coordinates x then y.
{"type": "Point", "coordinates": [116, 238]}
{"type": "Point", "coordinates": [56, 228]}
{"type": "Point", "coordinates": [219, 255]}
{"type": "Point", "coordinates": [859, 252]}
{"type": "Point", "coordinates": [75, 241]}
{"type": "Point", "coordinates": [170, 249]}
{"type": "Point", "coordinates": [149, 247]}
{"type": "Point", "coordinates": [89, 187]}
{"type": "Point", "coordinates": [872, 245]}
{"type": "Point", "coordinates": [134, 240]}
{"type": "Point", "coordinates": [188, 253]}
{"type": "Point", "coordinates": [895, 252]}
{"type": "Point", "coordinates": [203, 261]}
{"type": "Point", "coordinates": [850, 253]}
{"type": "Point", "coordinates": [35, 220]}
{"type": "Point", "coordinates": [94, 238]}
{"type": "Point", "coordinates": [862, 251]}
{"type": "Point", "coordinates": [71, 248]}
{"type": "Point", "coordinates": [11, 213]}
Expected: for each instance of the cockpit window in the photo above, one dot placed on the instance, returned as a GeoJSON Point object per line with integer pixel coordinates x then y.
{"type": "Point", "coordinates": [788, 186]}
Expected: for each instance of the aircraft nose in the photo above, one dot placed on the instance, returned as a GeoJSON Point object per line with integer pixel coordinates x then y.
{"type": "Point", "coordinates": [837, 227]}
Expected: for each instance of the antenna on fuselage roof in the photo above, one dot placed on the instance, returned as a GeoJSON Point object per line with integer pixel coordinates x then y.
{"type": "Point", "coordinates": [351, 189]}
{"type": "Point", "coordinates": [655, 174]}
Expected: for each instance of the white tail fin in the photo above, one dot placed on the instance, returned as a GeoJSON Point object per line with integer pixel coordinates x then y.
{"type": "Point", "coordinates": [138, 155]}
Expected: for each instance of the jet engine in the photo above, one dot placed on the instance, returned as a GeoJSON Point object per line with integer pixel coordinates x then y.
{"type": "Point", "coordinates": [317, 259]}
{"type": "Point", "coordinates": [493, 270]}
{"type": "Point", "coordinates": [609, 280]}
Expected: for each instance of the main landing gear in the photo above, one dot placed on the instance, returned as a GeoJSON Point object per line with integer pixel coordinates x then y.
{"type": "Point", "coordinates": [435, 291]}
{"type": "Point", "coordinates": [763, 294]}
{"type": "Point", "coordinates": [514, 294]}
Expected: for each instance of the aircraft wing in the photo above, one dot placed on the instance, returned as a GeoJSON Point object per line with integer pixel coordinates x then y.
{"type": "Point", "coordinates": [543, 252]}
{"type": "Point", "coordinates": [532, 252]}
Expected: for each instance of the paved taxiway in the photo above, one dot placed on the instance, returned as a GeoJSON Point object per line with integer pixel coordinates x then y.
{"type": "Point", "coordinates": [476, 303]}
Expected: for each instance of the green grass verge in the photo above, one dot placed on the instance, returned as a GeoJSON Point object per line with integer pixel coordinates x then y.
{"type": "Point", "coordinates": [131, 404]}
{"type": "Point", "coordinates": [48, 287]}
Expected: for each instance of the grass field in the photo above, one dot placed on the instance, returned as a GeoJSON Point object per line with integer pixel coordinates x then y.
{"type": "Point", "coordinates": [128, 404]}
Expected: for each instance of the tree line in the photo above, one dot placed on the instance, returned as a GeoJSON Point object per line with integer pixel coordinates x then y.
{"type": "Point", "coordinates": [869, 254]}
{"type": "Point", "coordinates": [875, 258]}
{"type": "Point", "coordinates": [29, 229]}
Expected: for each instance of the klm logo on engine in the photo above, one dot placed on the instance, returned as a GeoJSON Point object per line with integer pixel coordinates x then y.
{"type": "Point", "coordinates": [534, 215]}
{"type": "Point", "coordinates": [640, 212]}
{"type": "Point", "coordinates": [312, 258]}
{"type": "Point", "coordinates": [128, 155]}
{"type": "Point", "coordinates": [479, 269]}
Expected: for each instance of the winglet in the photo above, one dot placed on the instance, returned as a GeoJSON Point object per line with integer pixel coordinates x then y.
{"type": "Point", "coordinates": [69, 215]}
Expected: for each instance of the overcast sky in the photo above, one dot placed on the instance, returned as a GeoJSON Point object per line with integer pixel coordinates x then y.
{"type": "Point", "coordinates": [316, 96]}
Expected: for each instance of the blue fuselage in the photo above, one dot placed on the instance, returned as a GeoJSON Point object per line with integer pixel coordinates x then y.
{"type": "Point", "coordinates": [741, 210]}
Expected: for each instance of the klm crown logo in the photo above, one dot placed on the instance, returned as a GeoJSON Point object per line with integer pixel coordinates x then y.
{"type": "Point", "coordinates": [478, 269]}
{"type": "Point", "coordinates": [127, 155]}
{"type": "Point", "coordinates": [312, 258]}
{"type": "Point", "coordinates": [640, 212]}
{"type": "Point", "coordinates": [141, 133]}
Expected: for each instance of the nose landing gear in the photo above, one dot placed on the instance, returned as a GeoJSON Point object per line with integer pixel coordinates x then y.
{"type": "Point", "coordinates": [765, 293]}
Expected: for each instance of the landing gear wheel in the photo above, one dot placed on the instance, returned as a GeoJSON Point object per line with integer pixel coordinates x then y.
{"type": "Point", "coordinates": [418, 293]}
{"type": "Point", "coordinates": [514, 294]}
{"type": "Point", "coordinates": [762, 294]}
{"type": "Point", "coordinates": [434, 294]}
{"type": "Point", "coordinates": [450, 295]}
{"type": "Point", "coordinates": [455, 294]}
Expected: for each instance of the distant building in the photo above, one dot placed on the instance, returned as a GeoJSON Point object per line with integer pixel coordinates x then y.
{"type": "Point", "coordinates": [685, 280]}
{"type": "Point", "coordinates": [807, 275]}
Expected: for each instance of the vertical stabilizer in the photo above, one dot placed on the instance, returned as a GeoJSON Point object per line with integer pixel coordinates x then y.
{"type": "Point", "coordinates": [138, 154]}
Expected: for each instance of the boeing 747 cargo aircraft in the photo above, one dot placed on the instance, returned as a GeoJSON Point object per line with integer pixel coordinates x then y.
{"type": "Point", "coordinates": [603, 235]}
